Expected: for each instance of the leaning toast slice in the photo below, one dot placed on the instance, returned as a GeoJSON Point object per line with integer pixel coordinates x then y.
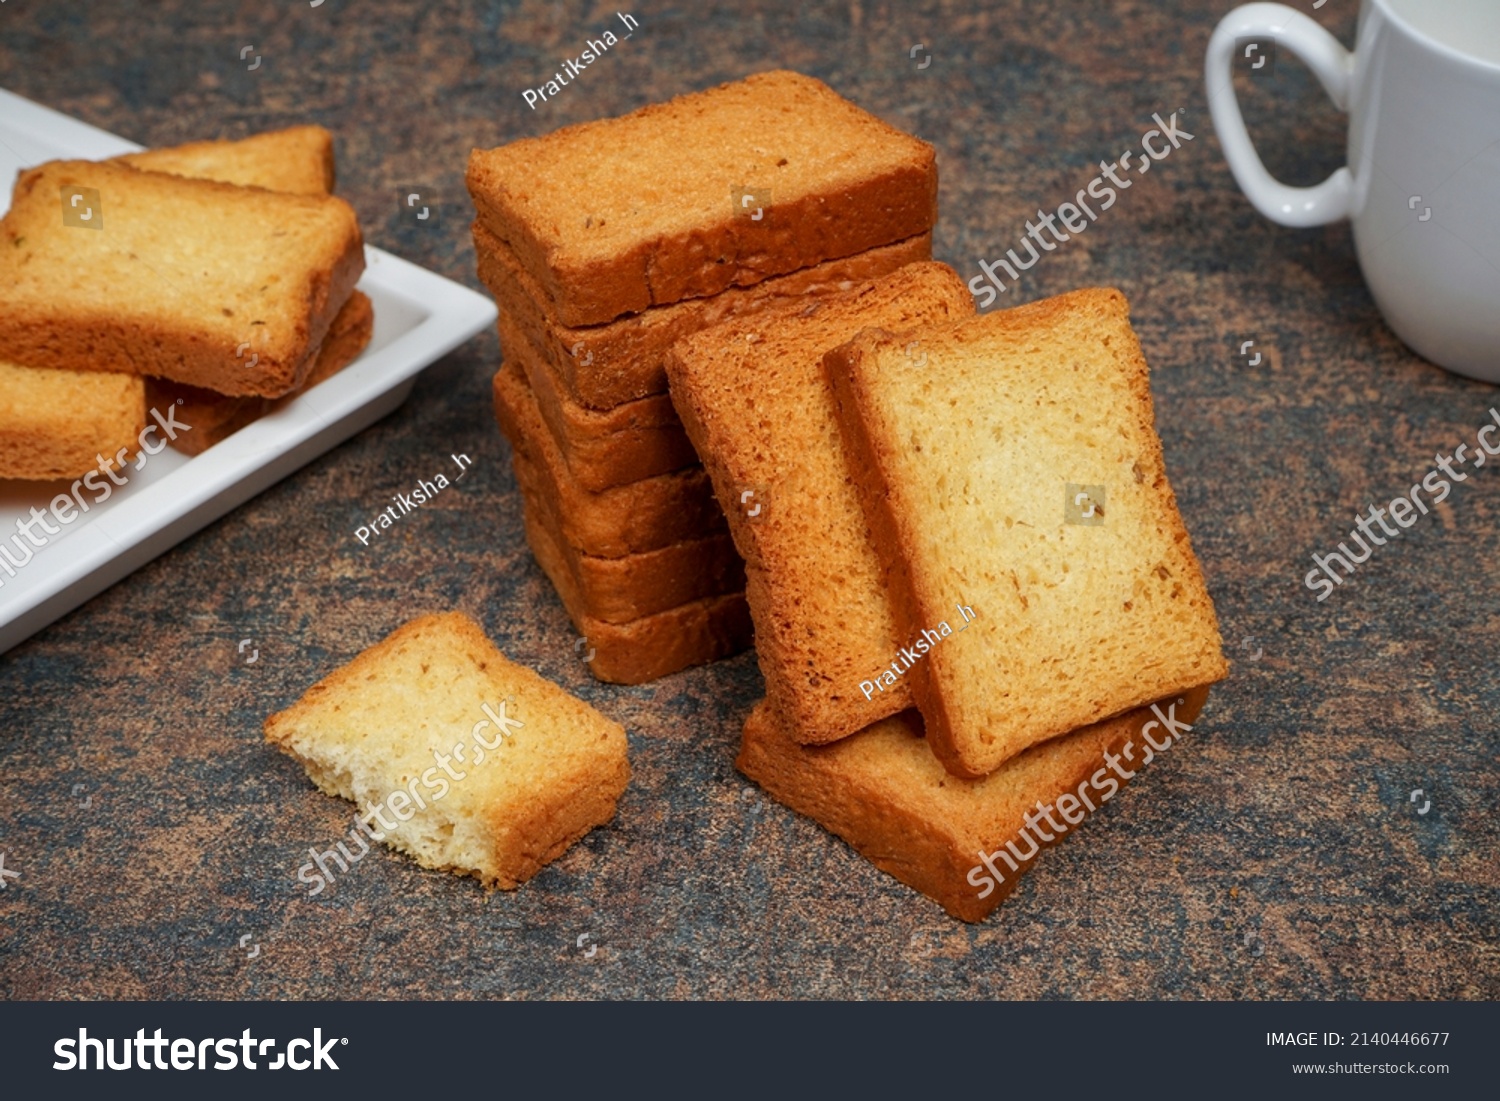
{"type": "Point", "coordinates": [1017, 473]}
{"type": "Point", "coordinates": [755, 402]}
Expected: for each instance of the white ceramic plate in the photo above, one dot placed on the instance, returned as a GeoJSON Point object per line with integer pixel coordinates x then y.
{"type": "Point", "coordinates": [419, 317]}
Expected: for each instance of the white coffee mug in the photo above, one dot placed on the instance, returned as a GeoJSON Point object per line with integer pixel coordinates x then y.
{"type": "Point", "coordinates": [1422, 184]}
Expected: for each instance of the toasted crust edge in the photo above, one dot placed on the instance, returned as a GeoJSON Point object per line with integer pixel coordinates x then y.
{"type": "Point", "coordinates": [599, 460]}
{"type": "Point", "coordinates": [841, 368]}
{"type": "Point", "coordinates": [611, 523]}
{"type": "Point", "coordinates": [215, 417]}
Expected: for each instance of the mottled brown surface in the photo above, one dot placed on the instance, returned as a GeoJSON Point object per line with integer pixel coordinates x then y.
{"type": "Point", "coordinates": [1274, 855]}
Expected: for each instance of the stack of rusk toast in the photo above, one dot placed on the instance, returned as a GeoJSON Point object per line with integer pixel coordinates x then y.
{"type": "Point", "coordinates": [173, 295]}
{"type": "Point", "coordinates": [604, 244]}
{"type": "Point", "coordinates": [975, 606]}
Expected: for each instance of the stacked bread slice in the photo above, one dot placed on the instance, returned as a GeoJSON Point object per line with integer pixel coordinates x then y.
{"type": "Point", "coordinates": [973, 596]}
{"type": "Point", "coordinates": [606, 243]}
{"type": "Point", "coordinates": [211, 279]}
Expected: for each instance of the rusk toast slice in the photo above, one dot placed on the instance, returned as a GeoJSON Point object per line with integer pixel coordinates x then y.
{"type": "Point", "coordinates": [653, 646]}
{"type": "Point", "coordinates": [1015, 486]}
{"type": "Point", "coordinates": [602, 448]}
{"type": "Point", "coordinates": [756, 404]}
{"type": "Point", "coordinates": [628, 519]}
{"type": "Point", "coordinates": [59, 424]}
{"type": "Point", "coordinates": [712, 190]}
{"type": "Point", "coordinates": [223, 287]}
{"type": "Point", "coordinates": [297, 160]}
{"type": "Point", "coordinates": [963, 843]}
{"type": "Point", "coordinates": [215, 417]}
{"type": "Point", "coordinates": [456, 755]}
{"type": "Point", "coordinates": [603, 366]}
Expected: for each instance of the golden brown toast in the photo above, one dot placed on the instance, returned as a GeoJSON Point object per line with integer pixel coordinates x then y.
{"type": "Point", "coordinates": [670, 202]}
{"type": "Point", "coordinates": [224, 287]}
{"type": "Point", "coordinates": [757, 406]}
{"type": "Point", "coordinates": [537, 770]}
{"type": "Point", "coordinates": [1016, 491]}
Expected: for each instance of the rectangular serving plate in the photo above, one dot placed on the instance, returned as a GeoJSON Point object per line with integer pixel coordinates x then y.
{"type": "Point", "coordinates": [419, 317]}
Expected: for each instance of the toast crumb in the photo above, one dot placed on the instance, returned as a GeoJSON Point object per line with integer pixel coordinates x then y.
{"type": "Point", "coordinates": [456, 755]}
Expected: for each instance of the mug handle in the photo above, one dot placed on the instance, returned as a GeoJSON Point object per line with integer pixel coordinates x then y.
{"type": "Point", "coordinates": [1333, 65]}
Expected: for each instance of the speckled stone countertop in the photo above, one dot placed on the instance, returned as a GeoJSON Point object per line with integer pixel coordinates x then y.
{"type": "Point", "coordinates": [1277, 854]}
